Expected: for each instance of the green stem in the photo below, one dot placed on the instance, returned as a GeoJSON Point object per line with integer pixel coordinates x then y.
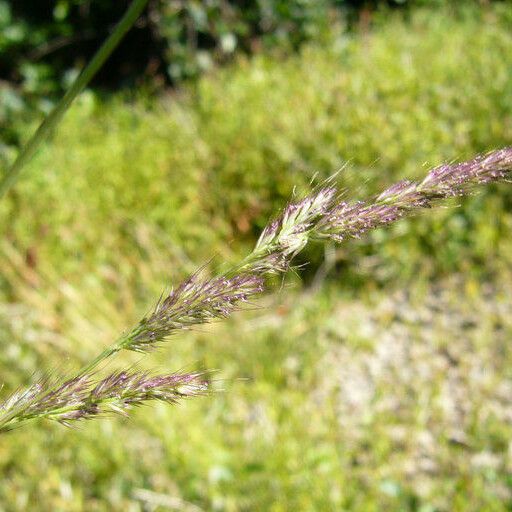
{"type": "Point", "coordinates": [51, 121]}
{"type": "Point", "coordinates": [19, 415]}
{"type": "Point", "coordinates": [119, 345]}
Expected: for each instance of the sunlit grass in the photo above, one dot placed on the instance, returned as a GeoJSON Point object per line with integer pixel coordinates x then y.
{"type": "Point", "coordinates": [357, 397]}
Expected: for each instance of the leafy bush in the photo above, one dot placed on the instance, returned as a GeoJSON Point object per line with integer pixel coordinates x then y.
{"type": "Point", "coordinates": [42, 44]}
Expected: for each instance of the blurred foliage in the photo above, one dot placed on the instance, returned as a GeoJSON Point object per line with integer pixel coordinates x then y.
{"type": "Point", "coordinates": [43, 44]}
{"type": "Point", "coordinates": [357, 397]}
{"type": "Point", "coordinates": [211, 164]}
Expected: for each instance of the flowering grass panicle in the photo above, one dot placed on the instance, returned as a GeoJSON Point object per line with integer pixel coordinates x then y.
{"type": "Point", "coordinates": [284, 237]}
{"type": "Point", "coordinates": [83, 398]}
{"type": "Point", "coordinates": [352, 219]}
{"type": "Point", "coordinates": [198, 300]}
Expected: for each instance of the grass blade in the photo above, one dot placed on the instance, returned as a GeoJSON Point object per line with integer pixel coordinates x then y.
{"type": "Point", "coordinates": [52, 120]}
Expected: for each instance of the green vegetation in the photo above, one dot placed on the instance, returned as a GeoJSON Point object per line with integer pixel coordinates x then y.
{"type": "Point", "coordinates": [40, 43]}
{"type": "Point", "coordinates": [43, 44]}
{"type": "Point", "coordinates": [388, 388]}
{"type": "Point", "coordinates": [53, 118]}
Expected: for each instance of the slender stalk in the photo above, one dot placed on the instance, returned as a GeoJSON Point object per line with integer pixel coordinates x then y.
{"type": "Point", "coordinates": [119, 344]}
{"type": "Point", "coordinates": [52, 120]}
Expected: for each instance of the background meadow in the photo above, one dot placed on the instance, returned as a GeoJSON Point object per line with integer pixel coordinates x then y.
{"type": "Point", "coordinates": [377, 377]}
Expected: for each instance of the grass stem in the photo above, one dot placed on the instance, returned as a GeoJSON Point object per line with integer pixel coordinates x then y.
{"type": "Point", "coordinates": [52, 120]}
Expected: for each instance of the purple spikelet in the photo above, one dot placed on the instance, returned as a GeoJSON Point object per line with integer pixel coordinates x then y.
{"type": "Point", "coordinates": [288, 234]}
{"type": "Point", "coordinates": [352, 219]}
{"type": "Point", "coordinates": [457, 179]}
{"type": "Point", "coordinates": [82, 398]}
{"type": "Point", "coordinates": [196, 301]}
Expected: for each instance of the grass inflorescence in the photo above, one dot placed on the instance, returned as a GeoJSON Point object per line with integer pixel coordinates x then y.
{"type": "Point", "coordinates": [359, 396]}
{"type": "Point", "coordinates": [320, 215]}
